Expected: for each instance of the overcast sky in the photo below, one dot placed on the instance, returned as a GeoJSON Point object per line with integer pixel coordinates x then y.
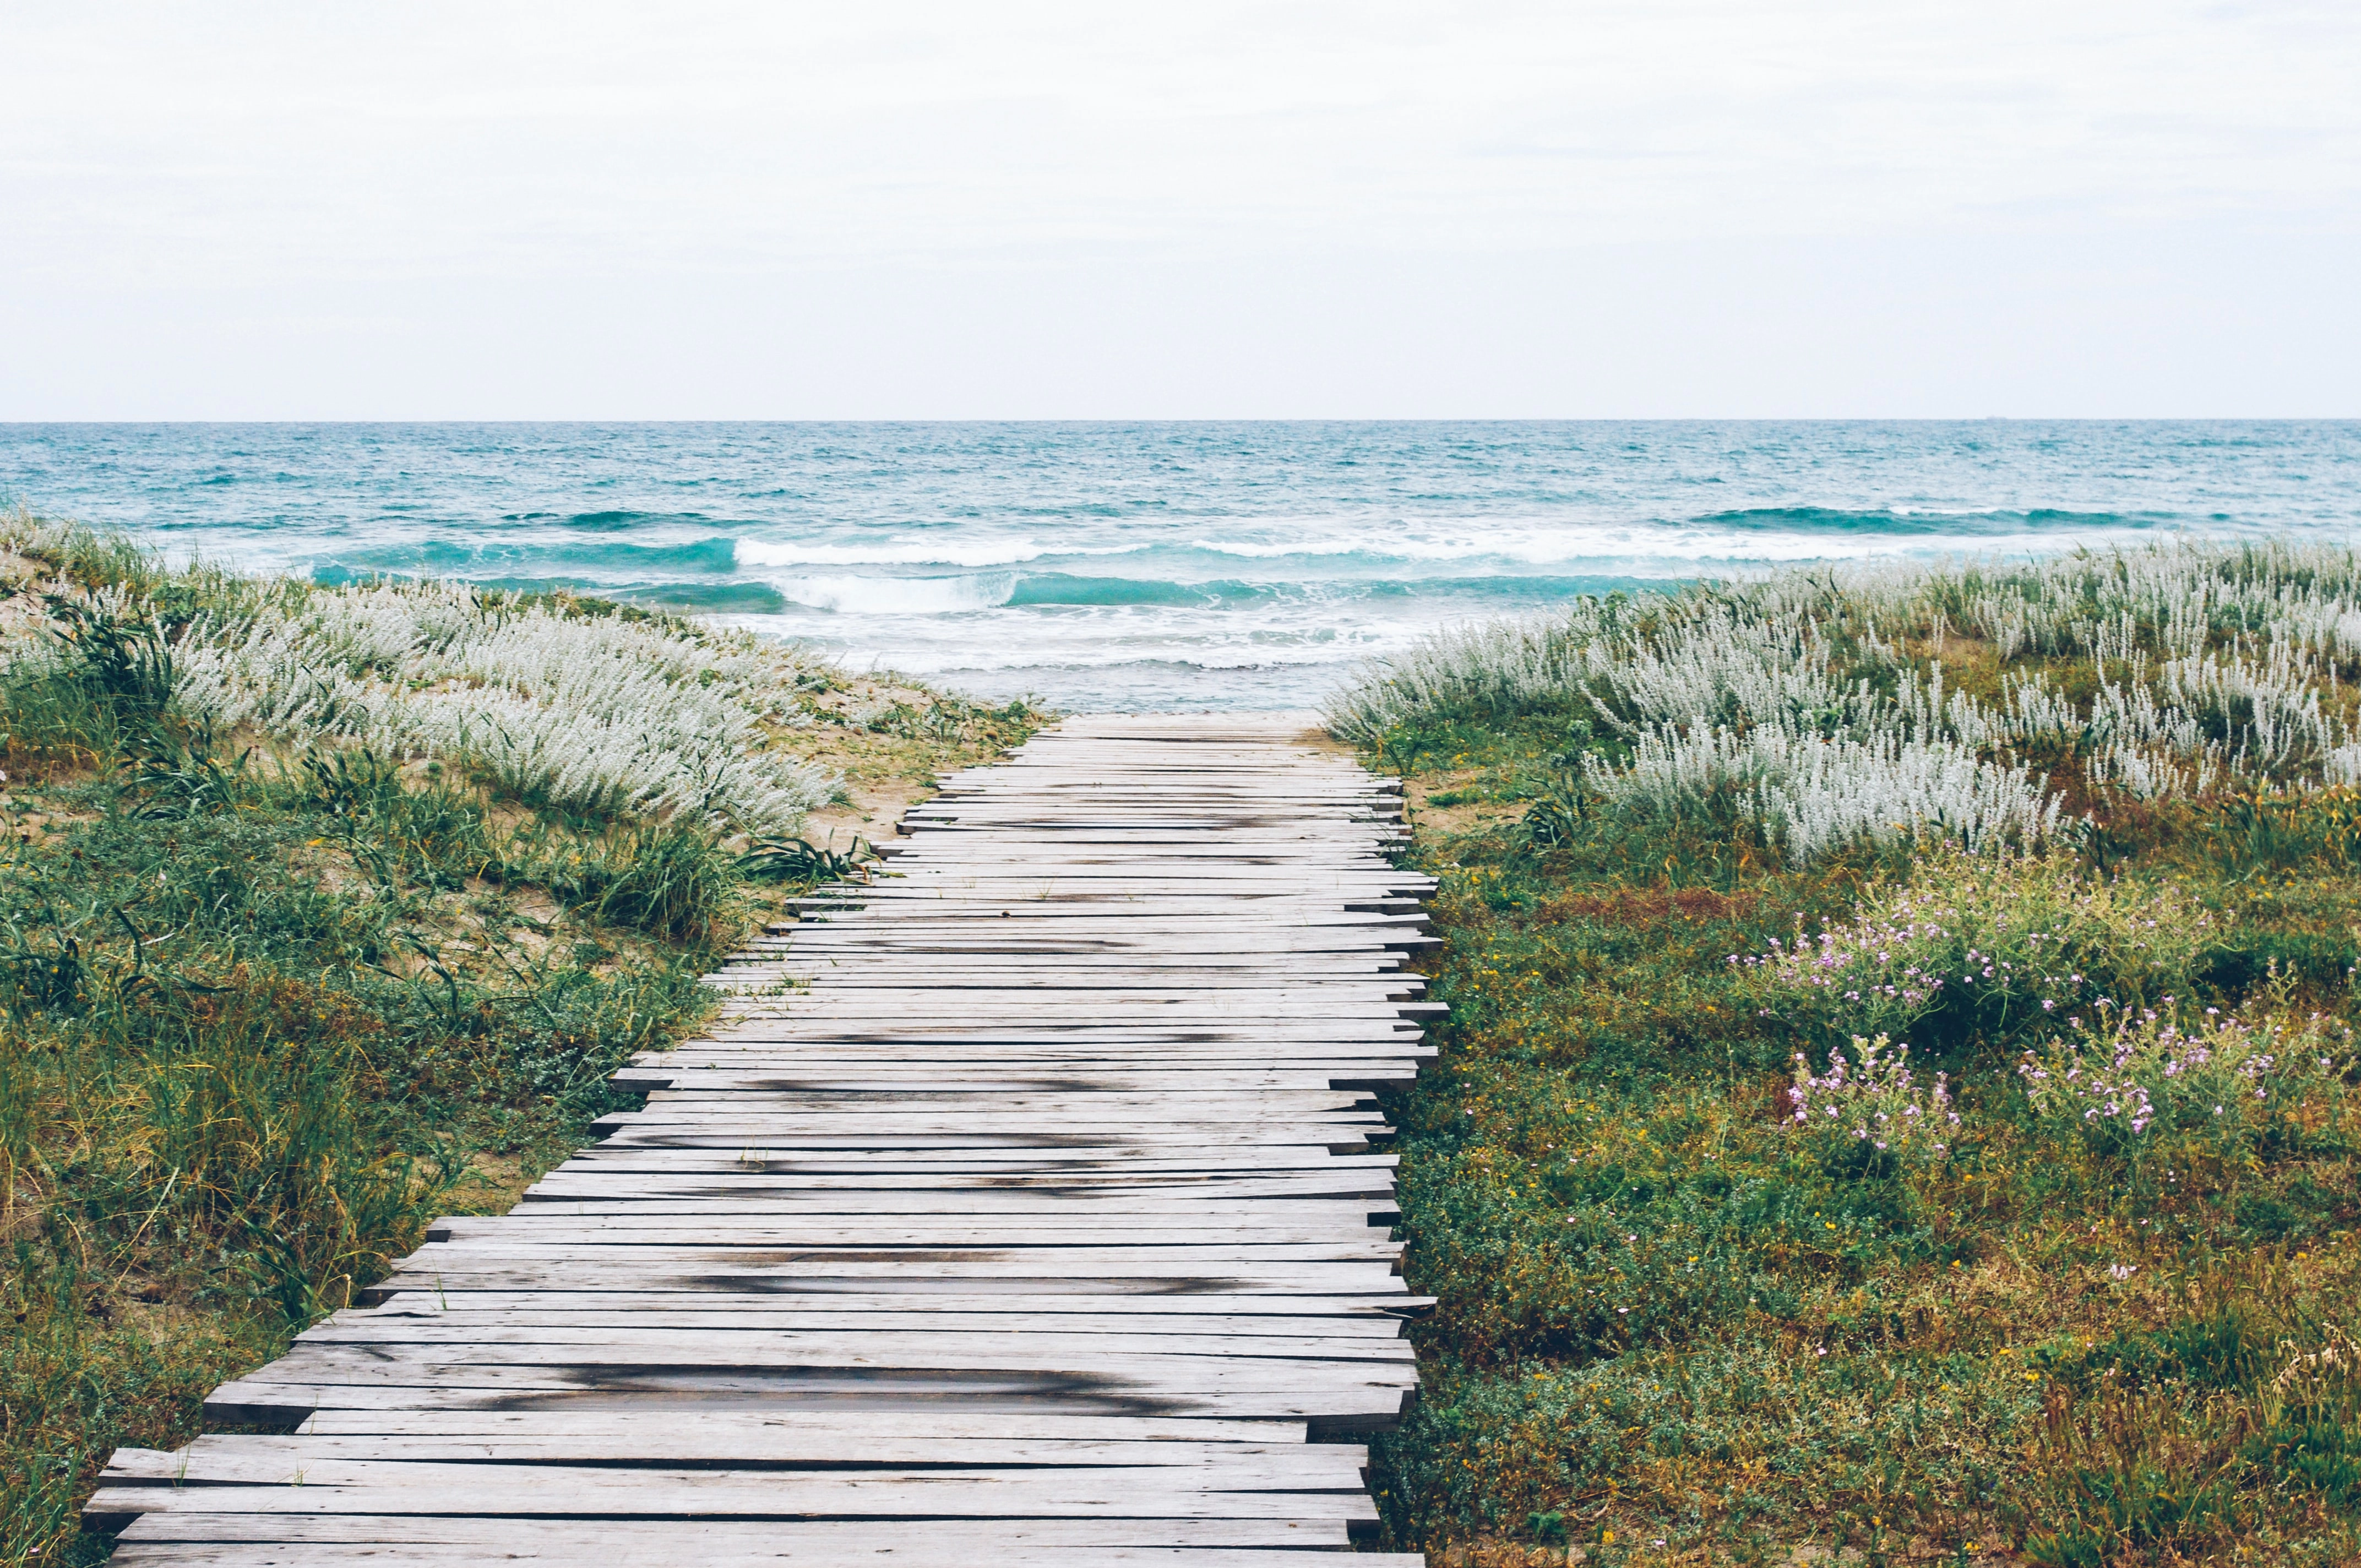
{"type": "Point", "coordinates": [1662, 208]}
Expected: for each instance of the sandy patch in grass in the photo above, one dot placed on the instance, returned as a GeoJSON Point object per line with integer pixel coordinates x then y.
{"type": "Point", "coordinates": [1455, 815]}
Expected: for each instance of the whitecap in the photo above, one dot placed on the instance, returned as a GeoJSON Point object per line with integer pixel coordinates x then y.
{"type": "Point", "coordinates": [1675, 549]}
{"type": "Point", "coordinates": [897, 596]}
{"type": "Point", "coordinates": [896, 553]}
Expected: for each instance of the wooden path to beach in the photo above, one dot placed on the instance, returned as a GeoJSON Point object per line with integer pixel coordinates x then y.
{"type": "Point", "coordinates": [1024, 1208]}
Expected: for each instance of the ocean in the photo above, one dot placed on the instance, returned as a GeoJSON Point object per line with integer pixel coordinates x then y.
{"type": "Point", "coordinates": [1158, 566]}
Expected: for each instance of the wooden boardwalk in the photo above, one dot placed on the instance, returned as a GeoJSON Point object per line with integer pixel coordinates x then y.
{"type": "Point", "coordinates": [1043, 1227]}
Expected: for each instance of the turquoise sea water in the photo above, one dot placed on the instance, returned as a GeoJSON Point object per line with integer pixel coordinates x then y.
{"type": "Point", "coordinates": [1158, 565]}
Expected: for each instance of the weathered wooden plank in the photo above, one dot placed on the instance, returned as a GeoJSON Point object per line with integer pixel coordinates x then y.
{"type": "Point", "coordinates": [752, 1139]}
{"type": "Point", "coordinates": [1381, 1315]}
{"type": "Point", "coordinates": [460, 1324]}
{"type": "Point", "coordinates": [454, 1321]}
{"type": "Point", "coordinates": [889, 1346]}
{"type": "Point", "coordinates": [831, 1427]}
{"type": "Point", "coordinates": [638, 1192]}
{"type": "Point", "coordinates": [266, 1459]}
{"type": "Point", "coordinates": [570, 1492]}
{"type": "Point", "coordinates": [892, 1167]}
{"type": "Point", "coordinates": [412, 1463]}
{"type": "Point", "coordinates": [1328, 1406]}
{"type": "Point", "coordinates": [1173, 1271]}
{"type": "Point", "coordinates": [782, 1545]}
{"type": "Point", "coordinates": [671, 1542]}
{"type": "Point", "coordinates": [1189, 1212]}
{"type": "Point", "coordinates": [1281, 1234]}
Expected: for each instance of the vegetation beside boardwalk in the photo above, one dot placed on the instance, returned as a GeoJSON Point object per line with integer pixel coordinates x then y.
{"type": "Point", "coordinates": [1725, 1273]}
{"type": "Point", "coordinates": [298, 953]}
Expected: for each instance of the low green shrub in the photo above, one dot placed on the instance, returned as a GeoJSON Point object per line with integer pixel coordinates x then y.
{"type": "Point", "coordinates": [2147, 1087]}
{"type": "Point", "coordinates": [1973, 948]}
{"type": "Point", "coordinates": [1868, 1105]}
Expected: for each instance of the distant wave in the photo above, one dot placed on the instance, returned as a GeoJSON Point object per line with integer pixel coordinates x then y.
{"type": "Point", "coordinates": [860, 595]}
{"type": "Point", "coordinates": [910, 552]}
{"type": "Point", "coordinates": [1766, 535]}
{"type": "Point", "coordinates": [1509, 566]}
{"type": "Point", "coordinates": [1237, 656]}
{"type": "Point", "coordinates": [451, 557]}
{"type": "Point", "coordinates": [698, 555]}
{"type": "Point", "coordinates": [1967, 525]}
{"type": "Point", "coordinates": [1735, 538]}
{"type": "Point", "coordinates": [605, 521]}
{"type": "Point", "coordinates": [706, 598]}
{"type": "Point", "coordinates": [898, 595]}
{"type": "Point", "coordinates": [613, 521]}
{"type": "Point", "coordinates": [624, 571]}
{"type": "Point", "coordinates": [1057, 588]}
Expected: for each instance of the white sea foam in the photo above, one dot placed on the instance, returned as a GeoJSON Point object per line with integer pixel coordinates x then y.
{"type": "Point", "coordinates": [901, 551]}
{"type": "Point", "coordinates": [898, 595]}
{"type": "Point", "coordinates": [1646, 548]}
{"type": "Point", "coordinates": [1636, 548]}
{"type": "Point", "coordinates": [1106, 637]}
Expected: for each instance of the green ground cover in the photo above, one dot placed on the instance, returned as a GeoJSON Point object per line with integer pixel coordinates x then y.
{"type": "Point", "coordinates": [1724, 1279]}
{"type": "Point", "coordinates": [271, 998]}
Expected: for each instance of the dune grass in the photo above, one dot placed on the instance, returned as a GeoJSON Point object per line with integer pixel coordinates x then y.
{"type": "Point", "coordinates": [1725, 1274]}
{"type": "Point", "coordinates": [276, 991]}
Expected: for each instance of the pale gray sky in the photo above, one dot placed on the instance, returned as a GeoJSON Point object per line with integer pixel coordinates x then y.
{"type": "Point", "coordinates": [1669, 207]}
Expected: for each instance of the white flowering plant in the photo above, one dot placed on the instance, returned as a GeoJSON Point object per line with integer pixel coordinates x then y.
{"type": "Point", "coordinates": [1816, 705]}
{"type": "Point", "coordinates": [1869, 1103]}
{"type": "Point", "coordinates": [620, 714]}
